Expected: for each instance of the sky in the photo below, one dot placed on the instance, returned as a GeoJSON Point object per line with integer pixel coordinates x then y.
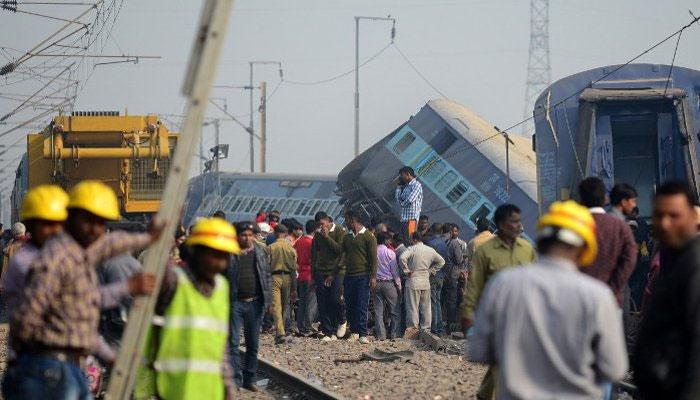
{"type": "Point", "coordinates": [475, 52]}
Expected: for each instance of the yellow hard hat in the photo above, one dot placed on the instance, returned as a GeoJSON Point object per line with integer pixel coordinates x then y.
{"type": "Point", "coordinates": [214, 233]}
{"type": "Point", "coordinates": [95, 197]}
{"type": "Point", "coordinates": [571, 217]}
{"type": "Point", "coordinates": [45, 202]}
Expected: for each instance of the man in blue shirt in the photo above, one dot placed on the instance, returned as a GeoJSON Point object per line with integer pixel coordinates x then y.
{"type": "Point", "coordinates": [409, 197]}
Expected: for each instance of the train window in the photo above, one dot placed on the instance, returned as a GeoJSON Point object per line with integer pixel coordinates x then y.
{"type": "Point", "coordinates": [284, 208]}
{"type": "Point", "coordinates": [265, 204]}
{"type": "Point", "coordinates": [257, 206]}
{"type": "Point", "coordinates": [446, 181]}
{"type": "Point", "coordinates": [433, 170]}
{"type": "Point", "coordinates": [317, 206]}
{"type": "Point", "coordinates": [247, 205]}
{"type": "Point", "coordinates": [307, 208]}
{"type": "Point", "coordinates": [300, 207]}
{"type": "Point", "coordinates": [457, 192]}
{"type": "Point", "coordinates": [236, 204]}
{"type": "Point", "coordinates": [482, 212]}
{"type": "Point", "coordinates": [443, 140]}
{"type": "Point", "coordinates": [469, 202]}
{"type": "Point", "coordinates": [405, 141]}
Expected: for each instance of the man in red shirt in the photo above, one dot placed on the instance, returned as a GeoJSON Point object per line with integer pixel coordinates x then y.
{"type": "Point", "coordinates": [306, 307]}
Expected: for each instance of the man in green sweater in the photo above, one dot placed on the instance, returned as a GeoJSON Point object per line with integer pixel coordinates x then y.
{"type": "Point", "coordinates": [328, 277]}
{"type": "Point", "coordinates": [359, 255]}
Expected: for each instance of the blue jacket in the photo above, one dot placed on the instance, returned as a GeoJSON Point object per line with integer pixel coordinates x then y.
{"type": "Point", "coordinates": [262, 263]}
{"type": "Point", "coordinates": [439, 243]}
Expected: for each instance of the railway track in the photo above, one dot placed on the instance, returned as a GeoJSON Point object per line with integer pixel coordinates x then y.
{"type": "Point", "coordinates": [296, 385]}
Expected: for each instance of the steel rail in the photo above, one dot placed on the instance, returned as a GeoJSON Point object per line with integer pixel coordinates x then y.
{"type": "Point", "coordinates": [293, 381]}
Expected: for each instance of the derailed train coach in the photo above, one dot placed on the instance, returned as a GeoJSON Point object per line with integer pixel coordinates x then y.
{"type": "Point", "coordinates": [637, 124]}
{"type": "Point", "coordinates": [459, 158]}
{"type": "Point", "coordinates": [241, 196]}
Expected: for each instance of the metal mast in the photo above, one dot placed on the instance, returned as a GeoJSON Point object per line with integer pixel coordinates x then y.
{"type": "Point", "coordinates": [539, 73]}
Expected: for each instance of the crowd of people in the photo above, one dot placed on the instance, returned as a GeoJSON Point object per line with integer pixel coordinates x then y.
{"type": "Point", "coordinates": [553, 318]}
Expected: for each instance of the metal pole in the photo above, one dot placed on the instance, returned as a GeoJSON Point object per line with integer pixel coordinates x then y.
{"type": "Point", "coordinates": [201, 154]}
{"type": "Point", "coordinates": [357, 86]}
{"type": "Point", "coordinates": [505, 134]}
{"type": "Point", "coordinates": [250, 123]}
{"type": "Point", "coordinates": [216, 161]}
{"type": "Point", "coordinates": [263, 122]}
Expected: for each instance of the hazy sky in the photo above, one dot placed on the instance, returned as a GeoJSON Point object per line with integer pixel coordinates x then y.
{"type": "Point", "coordinates": [475, 52]}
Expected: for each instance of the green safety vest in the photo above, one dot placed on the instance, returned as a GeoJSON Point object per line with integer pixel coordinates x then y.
{"type": "Point", "coordinates": [184, 356]}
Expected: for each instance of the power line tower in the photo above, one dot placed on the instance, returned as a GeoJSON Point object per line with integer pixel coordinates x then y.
{"type": "Point", "coordinates": [539, 73]}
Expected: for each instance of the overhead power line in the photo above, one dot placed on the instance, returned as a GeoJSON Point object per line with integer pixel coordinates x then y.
{"type": "Point", "coordinates": [423, 77]}
{"type": "Point", "coordinates": [341, 75]}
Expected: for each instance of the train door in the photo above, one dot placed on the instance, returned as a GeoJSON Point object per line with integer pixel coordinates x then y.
{"type": "Point", "coordinates": [635, 154]}
{"type": "Point", "coordinates": [636, 136]}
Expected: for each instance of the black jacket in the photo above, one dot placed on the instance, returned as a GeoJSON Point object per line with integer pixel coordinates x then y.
{"type": "Point", "coordinates": [262, 263]}
{"type": "Point", "coordinates": [667, 358]}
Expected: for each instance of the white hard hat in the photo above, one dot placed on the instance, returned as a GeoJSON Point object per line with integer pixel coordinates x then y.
{"type": "Point", "coordinates": [18, 229]}
{"type": "Point", "coordinates": [265, 227]}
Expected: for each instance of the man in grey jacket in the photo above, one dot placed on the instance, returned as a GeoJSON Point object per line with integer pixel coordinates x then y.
{"type": "Point", "coordinates": [419, 262]}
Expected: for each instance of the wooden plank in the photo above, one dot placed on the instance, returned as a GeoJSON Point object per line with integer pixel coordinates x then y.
{"type": "Point", "coordinates": [201, 72]}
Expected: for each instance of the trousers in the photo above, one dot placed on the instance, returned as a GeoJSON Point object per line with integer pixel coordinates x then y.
{"type": "Point", "coordinates": [386, 297]}
{"type": "Point", "coordinates": [357, 301]}
{"type": "Point", "coordinates": [281, 290]}
{"type": "Point", "coordinates": [306, 308]}
{"type": "Point", "coordinates": [331, 305]}
{"type": "Point", "coordinates": [246, 316]}
{"type": "Point", "coordinates": [39, 377]}
{"type": "Point", "coordinates": [418, 313]}
{"type": "Point", "coordinates": [436, 284]}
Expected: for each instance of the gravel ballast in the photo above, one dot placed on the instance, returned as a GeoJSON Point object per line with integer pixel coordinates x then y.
{"type": "Point", "coordinates": [428, 375]}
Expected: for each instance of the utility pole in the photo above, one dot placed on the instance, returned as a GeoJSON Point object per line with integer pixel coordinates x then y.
{"type": "Point", "coordinates": [357, 70]}
{"type": "Point", "coordinates": [263, 122]}
{"type": "Point", "coordinates": [251, 127]}
{"type": "Point", "coordinates": [539, 72]}
{"type": "Point", "coordinates": [216, 161]}
{"type": "Point", "coordinates": [508, 141]}
{"type": "Point", "coordinates": [204, 59]}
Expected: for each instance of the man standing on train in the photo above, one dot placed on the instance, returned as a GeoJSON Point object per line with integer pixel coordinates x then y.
{"type": "Point", "coordinates": [409, 197]}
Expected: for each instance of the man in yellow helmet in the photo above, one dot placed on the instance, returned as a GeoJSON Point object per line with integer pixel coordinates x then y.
{"type": "Point", "coordinates": [553, 332]}
{"type": "Point", "coordinates": [54, 326]}
{"type": "Point", "coordinates": [186, 351]}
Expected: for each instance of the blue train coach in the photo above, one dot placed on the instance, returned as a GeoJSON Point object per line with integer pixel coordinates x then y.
{"type": "Point", "coordinates": [459, 158]}
{"type": "Point", "coordinates": [637, 124]}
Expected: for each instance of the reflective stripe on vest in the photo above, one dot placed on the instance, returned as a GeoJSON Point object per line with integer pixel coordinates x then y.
{"type": "Point", "coordinates": [188, 365]}
{"type": "Point", "coordinates": [204, 323]}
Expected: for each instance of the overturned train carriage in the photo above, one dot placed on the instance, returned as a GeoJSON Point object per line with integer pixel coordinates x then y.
{"type": "Point", "coordinates": [460, 159]}
{"type": "Point", "coordinates": [242, 196]}
{"type": "Point", "coordinates": [639, 125]}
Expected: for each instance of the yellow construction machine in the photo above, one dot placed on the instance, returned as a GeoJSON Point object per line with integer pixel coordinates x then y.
{"type": "Point", "coordinates": [129, 153]}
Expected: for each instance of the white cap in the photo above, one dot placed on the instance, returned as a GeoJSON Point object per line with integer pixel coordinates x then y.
{"type": "Point", "coordinates": [265, 227]}
{"type": "Point", "coordinates": [18, 229]}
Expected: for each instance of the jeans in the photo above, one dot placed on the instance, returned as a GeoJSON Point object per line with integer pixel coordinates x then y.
{"type": "Point", "coordinates": [357, 298]}
{"type": "Point", "coordinates": [331, 306]}
{"type": "Point", "coordinates": [306, 308]}
{"type": "Point", "coordinates": [452, 294]}
{"type": "Point", "coordinates": [42, 377]}
{"type": "Point", "coordinates": [386, 296]}
{"type": "Point", "coordinates": [436, 304]}
{"type": "Point", "coordinates": [247, 316]}
{"type": "Point", "coordinates": [417, 308]}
